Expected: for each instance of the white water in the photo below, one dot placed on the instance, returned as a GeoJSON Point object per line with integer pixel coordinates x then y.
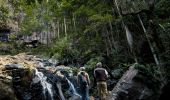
{"type": "Point", "coordinates": [72, 89]}
{"type": "Point", "coordinates": [129, 36]}
{"type": "Point", "coordinates": [43, 80]}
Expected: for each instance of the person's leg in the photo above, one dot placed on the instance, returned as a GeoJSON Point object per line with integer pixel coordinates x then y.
{"type": "Point", "coordinates": [99, 89]}
{"type": "Point", "coordinates": [87, 93]}
{"type": "Point", "coordinates": [103, 90]}
{"type": "Point", "coordinates": [82, 93]}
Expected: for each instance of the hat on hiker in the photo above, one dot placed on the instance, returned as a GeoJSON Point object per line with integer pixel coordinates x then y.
{"type": "Point", "coordinates": [99, 64]}
{"type": "Point", "coordinates": [82, 68]}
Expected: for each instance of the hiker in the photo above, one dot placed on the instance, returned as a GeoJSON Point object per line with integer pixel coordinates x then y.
{"type": "Point", "coordinates": [83, 83]}
{"type": "Point", "coordinates": [101, 75]}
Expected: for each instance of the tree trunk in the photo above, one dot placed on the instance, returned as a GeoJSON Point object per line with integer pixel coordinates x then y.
{"type": "Point", "coordinates": [107, 49]}
{"type": "Point", "coordinates": [74, 22]}
{"type": "Point", "coordinates": [105, 40]}
{"type": "Point", "coordinates": [111, 32]}
{"type": "Point", "coordinates": [65, 27]}
{"type": "Point", "coordinates": [54, 29]}
{"type": "Point", "coordinates": [109, 41]}
{"type": "Point", "coordinates": [58, 29]}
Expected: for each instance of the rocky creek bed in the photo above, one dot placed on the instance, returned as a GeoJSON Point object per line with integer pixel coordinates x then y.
{"type": "Point", "coordinates": [27, 77]}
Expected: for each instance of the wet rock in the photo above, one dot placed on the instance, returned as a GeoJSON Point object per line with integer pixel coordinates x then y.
{"type": "Point", "coordinates": [13, 66]}
{"type": "Point", "coordinates": [36, 91]}
{"type": "Point", "coordinates": [111, 84]}
{"type": "Point", "coordinates": [21, 83]}
{"type": "Point", "coordinates": [53, 61]}
{"type": "Point", "coordinates": [48, 78]}
{"type": "Point", "coordinates": [46, 63]}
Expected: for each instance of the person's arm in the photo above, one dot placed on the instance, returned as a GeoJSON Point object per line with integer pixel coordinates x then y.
{"type": "Point", "coordinates": [78, 80]}
{"type": "Point", "coordinates": [106, 73]}
{"type": "Point", "coordinates": [94, 74]}
{"type": "Point", "coordinates": [88, 79]}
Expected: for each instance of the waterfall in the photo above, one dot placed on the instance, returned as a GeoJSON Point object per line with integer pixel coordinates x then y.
{"type": "Point", "coordinates": [47, 87]}
{"type": "Point", "coordinates": [129, 36]}
{"type": "Point", "coordinates": [72, 90]}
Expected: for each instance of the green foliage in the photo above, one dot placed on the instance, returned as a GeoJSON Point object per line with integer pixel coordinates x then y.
{"type": "Point", "coordinates": [117, 73]}
{"type": "Point", "coordinates": [12, 37]}
{"type": "Point", "coordinates": [4, 14]}
{"type": "Point", "coordinates": [94, 29]}
{"type": "Point", "coordinates": [91, 64]}
{"type": "Point", "coordinates": [63, 51]}
{"type": "Point", "coordinates": [150, 73]}
{"type": "Point", "coordinates": [162, 11]}
{"type": "Point", "coordinates": [163, 8]}
{"type": "Point", "coordinates": [41, 50]}
{"type": "Point", "coordinates": [11, 48]}
{"type": "Point", "coordinates": [61, 44]}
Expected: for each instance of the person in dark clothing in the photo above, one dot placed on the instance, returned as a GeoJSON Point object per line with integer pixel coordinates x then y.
{"type": "Point", "coordinates": [101, 75]}
{"type": "Point", "coordinates": [83, 83]}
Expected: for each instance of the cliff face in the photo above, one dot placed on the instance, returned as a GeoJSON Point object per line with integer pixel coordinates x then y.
{"type": "Point", "coordinates": [134, 6]}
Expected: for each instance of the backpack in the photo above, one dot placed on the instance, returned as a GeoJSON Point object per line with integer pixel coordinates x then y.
{"type": "Point", "coordinates": [83, 78]}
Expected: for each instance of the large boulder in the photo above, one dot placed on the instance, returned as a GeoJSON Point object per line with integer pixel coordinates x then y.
{"type": "Point", "coordinates": [130, 88]}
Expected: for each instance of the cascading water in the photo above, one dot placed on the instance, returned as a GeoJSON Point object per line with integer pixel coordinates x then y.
{"type": "Point", "coordinates": [130, 41]}
{"type": "Point", "coordinates": [72, 90]}
{"type": "Point", "coordinates": [47, 87]}
{"type": "Point", "coordinates": [129, 36]}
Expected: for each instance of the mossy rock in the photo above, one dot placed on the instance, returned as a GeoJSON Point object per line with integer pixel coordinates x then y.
{"type": "Point", "coordinates": [6, 91]}
{"type": "Point", "coordinates": [26, 79]}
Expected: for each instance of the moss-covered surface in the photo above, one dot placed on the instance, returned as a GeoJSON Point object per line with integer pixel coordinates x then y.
{"type": "Point", "coordinates": [150, 76]}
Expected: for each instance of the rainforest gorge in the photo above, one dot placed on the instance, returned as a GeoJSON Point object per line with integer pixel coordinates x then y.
{"type": "Point", "coordinates": [40, 39]}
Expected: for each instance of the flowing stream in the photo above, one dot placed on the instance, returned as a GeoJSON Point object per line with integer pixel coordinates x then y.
{"type": "Point", "coordinates": [47, 87]}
